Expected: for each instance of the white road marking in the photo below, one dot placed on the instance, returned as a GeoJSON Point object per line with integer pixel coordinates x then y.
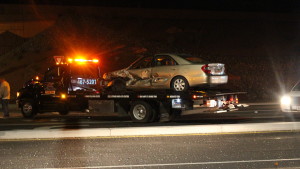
{"type": "Point", "coordinates": [180, 164]}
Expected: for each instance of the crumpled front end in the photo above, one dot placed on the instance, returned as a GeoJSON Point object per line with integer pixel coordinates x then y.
{"type": "Point", "coordinates": [123, 73]}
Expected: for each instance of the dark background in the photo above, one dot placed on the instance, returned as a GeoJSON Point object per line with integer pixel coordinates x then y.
{"type": "Point", "coordinates": [219, 5]}
{"type": "Point", "coordinates": [257, 40]}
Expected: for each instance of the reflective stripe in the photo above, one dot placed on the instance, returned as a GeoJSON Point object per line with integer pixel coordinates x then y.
{"type": "Point", "coordinates": [117, 96]}
{"type": "Point", "coordinates": [173, 96]}
{"type": "Point", "coordinates": [92, 96]}
{"type": "Point", "coordinates": [147, 96]}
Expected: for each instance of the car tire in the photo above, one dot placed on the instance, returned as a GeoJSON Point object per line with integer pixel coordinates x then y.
{"type": "Point", "coordinates": [141, 111]}
{"type": "Point", "coordinates": [179, 83]}
{"type": "Point", "coordinates": [28, 109]}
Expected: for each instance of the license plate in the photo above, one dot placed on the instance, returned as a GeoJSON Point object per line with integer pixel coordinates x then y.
{"type": "Point", "coordinates": [87, 81]}
{"type": "Point", "coordinates": [50, 92]}
{"type": "Point", "coordinates": [218, 79]}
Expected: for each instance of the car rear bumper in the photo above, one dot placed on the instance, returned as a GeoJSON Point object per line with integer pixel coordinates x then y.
{"type": "Point", "coordinates": [207, 80]}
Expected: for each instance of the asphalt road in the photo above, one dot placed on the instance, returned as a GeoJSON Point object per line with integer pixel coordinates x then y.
{"type": "Point", "coordinates": [77, 120]}
{"type": "Point", "coordinates": [263, 150]}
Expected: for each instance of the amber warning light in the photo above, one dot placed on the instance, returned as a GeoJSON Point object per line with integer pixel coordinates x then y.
{"type": "Point", "coordinates": [79, 60]}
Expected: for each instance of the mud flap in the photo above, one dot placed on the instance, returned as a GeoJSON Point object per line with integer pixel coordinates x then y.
{"type": "Point", "coordinates": [165, 113]}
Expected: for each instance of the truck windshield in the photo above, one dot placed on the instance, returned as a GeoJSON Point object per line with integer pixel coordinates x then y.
{"type": "Point", "coordinates": [85, 71]}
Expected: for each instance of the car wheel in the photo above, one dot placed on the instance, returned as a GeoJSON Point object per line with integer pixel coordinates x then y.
{"type": "Point", "coordinates": [141, 111]}
{"type": "Point", "coordinates": [179, 83]}
{"type": "Point", "coordinates": [28, 109]}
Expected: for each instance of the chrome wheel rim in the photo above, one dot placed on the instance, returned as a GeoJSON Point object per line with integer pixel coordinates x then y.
{"type": "Point", "coordinates": [179, 85]}
{"type": "Point", "coordinates": [139, 112]}
{"type": "Point", "coordinates": [27, 108]}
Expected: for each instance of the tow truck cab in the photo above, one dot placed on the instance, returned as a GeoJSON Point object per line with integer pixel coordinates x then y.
{"type": "Point", "coordinates": [62, 88]}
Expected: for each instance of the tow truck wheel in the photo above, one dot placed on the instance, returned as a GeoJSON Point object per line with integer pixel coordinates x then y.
{"type": "Point", "coordinates": [28, 109]}
{"type": "Point", "coordinates": [141, 111]}
{"type": "Point", "coordinates": [288, 116]}
{"type": "Point", "coordinates": [64, 110]}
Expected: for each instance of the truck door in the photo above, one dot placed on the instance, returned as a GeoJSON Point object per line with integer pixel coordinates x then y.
{"type": "Point", "coordinates": [54, 81]}
{"type": "Point", "coordinates": [163, 71]}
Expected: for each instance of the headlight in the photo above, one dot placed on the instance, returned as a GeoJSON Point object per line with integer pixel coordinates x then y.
{"type": "Point", "coordinates": [286, 100]}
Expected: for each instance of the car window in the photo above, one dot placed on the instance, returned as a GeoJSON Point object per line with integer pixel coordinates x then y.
{"type": "Point", "coordinates": [145, 62]}
{"type": "Point", "coordinates": [297, 87]}
{"type": "Point", "coordinates": [193, 59]}
{"type": "Point", "coordinates": [164, 60]}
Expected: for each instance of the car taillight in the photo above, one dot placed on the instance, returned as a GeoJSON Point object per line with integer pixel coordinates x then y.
{"type": "Point", "coordinates": [205, 69]}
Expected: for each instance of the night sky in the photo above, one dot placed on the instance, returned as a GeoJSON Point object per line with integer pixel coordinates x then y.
{"type": "Point", "coordinates": [218, 5]}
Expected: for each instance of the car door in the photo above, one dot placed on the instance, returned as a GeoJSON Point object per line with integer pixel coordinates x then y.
{"type": "Point", "coordinates": [141, 73]}
{"type": "Point", "coordinates": [165, 68]}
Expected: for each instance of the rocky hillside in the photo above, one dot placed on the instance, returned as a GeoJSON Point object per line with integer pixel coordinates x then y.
{"type": "Point", "coordinates": [261, 55]}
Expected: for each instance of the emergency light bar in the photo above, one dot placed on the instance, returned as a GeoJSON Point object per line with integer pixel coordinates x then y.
{"type": "Point", "coordinates": [79, 60]}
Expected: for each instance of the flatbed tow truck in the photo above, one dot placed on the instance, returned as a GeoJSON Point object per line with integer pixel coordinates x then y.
{"type": "Point", "coordinates": [75, 84]}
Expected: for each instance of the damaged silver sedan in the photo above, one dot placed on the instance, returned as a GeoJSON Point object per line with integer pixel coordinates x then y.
{"type": "Point", "coordinates": [178, 72]}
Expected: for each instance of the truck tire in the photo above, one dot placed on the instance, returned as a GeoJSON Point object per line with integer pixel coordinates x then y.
{"type": "Point", "coordinates": [64, 109]}
{"type": "Point", "coordinates": [179, 83]}
{"type": "Point", "coordinates": [28, 109]}
{"type": "Point", "coordinates": [288, 117]}
{"type": "Point", "coordinates": [141, 111]}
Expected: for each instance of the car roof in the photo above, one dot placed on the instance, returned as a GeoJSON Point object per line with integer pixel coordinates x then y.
{"type": "Point", "coordinates": [176, 57]}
